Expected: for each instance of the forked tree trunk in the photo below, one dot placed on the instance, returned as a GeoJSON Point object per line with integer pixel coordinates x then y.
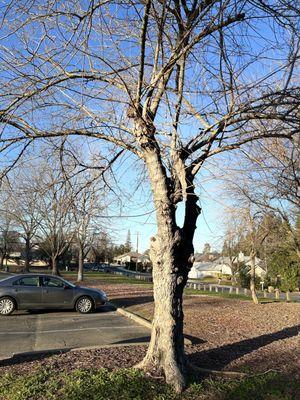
{"type": "Point", "coordinates": [170, 254]}
{"type": "Point", "coordinates": [252, 278]}
{"type": "Point", "coordinates": [80, 263]}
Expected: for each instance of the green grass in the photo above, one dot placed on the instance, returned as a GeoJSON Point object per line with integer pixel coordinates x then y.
{"type": "Point", "coordinates": [217, 294]}
{"type": "Point", "coordinates": [102, 277]}
{"type": "Point", "coordinates": [129, 384]}
{"type": "Point", "coordinates": [213, 281]}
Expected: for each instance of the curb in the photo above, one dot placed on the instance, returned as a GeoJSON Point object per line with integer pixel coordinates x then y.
{"type": "Point", "coordinates": [140, 320]}
{"type": "Point", "coordinates": [143, 321]}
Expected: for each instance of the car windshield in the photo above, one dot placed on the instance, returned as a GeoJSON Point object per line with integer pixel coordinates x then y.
{"type": "Point", "coordinates": [5, 279]}
{"type": "Point", "coordinates": [67, 282]}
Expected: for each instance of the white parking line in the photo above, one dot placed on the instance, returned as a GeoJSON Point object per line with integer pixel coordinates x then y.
{"type": "Point", "coordinates": [47, 317]}
{"type": "Point", "coordinates": [68, 330]}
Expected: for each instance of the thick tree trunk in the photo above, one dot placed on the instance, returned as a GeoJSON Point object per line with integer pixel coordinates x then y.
{"type": "Point", "coordinates": [166, 349]}
{"type": "Point", "coordinates": [287, 294]}
{"type": "Point", "coordinates": [2, 260]}
{"type": "Point", "coordinates": [27, 254]}
{"type": "Point", "coordinates": [252, 278]}
{"type": "Point", "coordinates": [170, 253]}
{"type": "Point", "coordinates": [54, 265]}
{"type": "Point", "coordinates": [80, 264]}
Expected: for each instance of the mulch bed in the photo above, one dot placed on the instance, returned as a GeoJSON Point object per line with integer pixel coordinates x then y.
{"type": "Point", "coordinates": [227, 334]}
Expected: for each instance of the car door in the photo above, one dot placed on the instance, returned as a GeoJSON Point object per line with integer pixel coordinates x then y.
{"type": "Point", "coordinates": [28, 292]}
{"type": "Point", "coordinates": [56, 293]}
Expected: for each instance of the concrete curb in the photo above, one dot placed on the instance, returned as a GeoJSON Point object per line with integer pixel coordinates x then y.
{"type": "Point", "coordinates": [140, 320]}
{"type": "Point", "coordinates": [143, 321]}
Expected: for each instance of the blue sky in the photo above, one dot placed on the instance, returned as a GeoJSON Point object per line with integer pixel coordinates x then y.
{"type": "Point", "coordinates": [210, 228]}
{"type": "Point", "coordinates": [136, 198]}
{"type": "Point", "coordinates": [136, 212]}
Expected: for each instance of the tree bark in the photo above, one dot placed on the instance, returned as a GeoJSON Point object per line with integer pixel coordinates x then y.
{"type": "Point", "coordinates": [27, 254]}
{"type": "Point", "coordinates": [80, 263]}
{"type": "Point", "coordinates": [2, 260]}
{"type": "Point", "coordinates": [287, 294]}
{"type": "Point", "coordinates": [170, 272]}
{"type": "Point", "coordinates": [170, 253]}
{"type": "Point", "coordinates": [54, 265]}
{"type": "Point", "coordinates": [252, 278]}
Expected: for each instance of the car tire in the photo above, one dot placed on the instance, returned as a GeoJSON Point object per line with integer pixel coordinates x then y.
{"type": "Point", "coordinates": [7, 306]}
{"type": "Point", "coordinates": [84, 305]}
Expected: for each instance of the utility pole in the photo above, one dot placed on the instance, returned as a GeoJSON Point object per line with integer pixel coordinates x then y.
{"type": "Point", "coordinates": [137, 242]}
{"type": "Point", "coordinates": [137, 250]}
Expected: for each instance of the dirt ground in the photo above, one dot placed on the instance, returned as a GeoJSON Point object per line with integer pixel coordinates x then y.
{"type": "Point", "coordinates": [226, 334]}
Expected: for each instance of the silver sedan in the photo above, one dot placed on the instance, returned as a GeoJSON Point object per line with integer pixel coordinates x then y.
{"type": "Point", "coordinates": [34, 291]}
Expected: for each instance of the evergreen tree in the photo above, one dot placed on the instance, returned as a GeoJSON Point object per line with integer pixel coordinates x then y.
{"type": "Point", "coordinates": [128, 244]}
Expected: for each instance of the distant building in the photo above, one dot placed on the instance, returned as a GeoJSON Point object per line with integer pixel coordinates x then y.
{"type": "Point", "coordinates": [206, 248]}
{"type": "Point", "coordinates": [130, 257]}
{"type": "Point", "coordinates": [139, 261]}
{"type": "Point", "coordinates": [224, 264]}
{"type": "Point", "coordinates": [204, 270]}
{"type": "Point", "coordinates": [201, 257]}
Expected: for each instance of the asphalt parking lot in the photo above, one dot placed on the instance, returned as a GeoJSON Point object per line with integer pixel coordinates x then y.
{"type": "Point", "coordinates": [51, 330]}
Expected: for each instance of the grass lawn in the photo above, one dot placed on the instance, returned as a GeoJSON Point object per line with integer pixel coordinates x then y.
{"type": "Point", "coordinates": [105, 278]}
{"type": "Point", "coordinates": [129, 384]}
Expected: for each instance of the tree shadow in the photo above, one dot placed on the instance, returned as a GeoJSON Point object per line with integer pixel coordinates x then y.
{"type": "Point", "coordinates": [103, 309]}
{"type": "Point", "coordinates": [39, 355]}
{"type": "Point", "coordinates": [221, 356]}
{"type": "Point", "coordinates": [194, 339]}
{"type": "Point", "coordinates": [131, 301]}
{"type": "Point", "coordinates": [142, 339]}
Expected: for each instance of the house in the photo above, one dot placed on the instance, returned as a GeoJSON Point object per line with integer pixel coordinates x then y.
{"type": "Point", "coordinates": [128, 258]}
{"type": "Point", "coordinates": [204, 270]}
{"type": "Point", "coordinates": [224, 264]}
{"type": "Point", "coordinates": [206, 257]}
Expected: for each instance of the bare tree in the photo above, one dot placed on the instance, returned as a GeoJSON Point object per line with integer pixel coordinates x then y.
{"type": "Point", "coordinates": [267, 175]}
{"type": "Point", "coordinates": [56, 228]}
{"type": "Point", "coordinates": [5, 236]}
{"type": "Point", "coordinates": [174, 83]}
{"type": "Point", "coordinates": [231, 246]}
{"type": "Point", "coordinates": [86, 207]}
{"type": "Point", "coordinates": [22, 206]}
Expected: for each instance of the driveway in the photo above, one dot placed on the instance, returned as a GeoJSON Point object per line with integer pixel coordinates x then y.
{"type": "Point", "coordinates": [50, 330]}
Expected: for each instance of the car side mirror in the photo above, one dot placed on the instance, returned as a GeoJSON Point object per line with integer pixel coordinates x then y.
{"type": "Point", "coordinates": [66, 287]}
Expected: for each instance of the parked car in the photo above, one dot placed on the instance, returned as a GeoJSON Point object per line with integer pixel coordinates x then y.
{"type": "Point", "coordinates": [39, 291]}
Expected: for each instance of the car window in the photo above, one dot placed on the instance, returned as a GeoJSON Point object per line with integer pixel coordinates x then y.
{"type": "Point", "coordinates": [27, 281]}
{"type": "Point", "coordinates": [52, 282]}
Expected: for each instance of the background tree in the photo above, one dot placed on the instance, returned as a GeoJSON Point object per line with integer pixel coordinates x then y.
{"type": "Point", "coordinates": [128, 244]}
{"type": "Point", "coordinates": [174, 83]}
{"type": "Point", "coordinates": [56, 227]}
{"type": "Point", "coordinates": [232, 247]}
{"type": "Point", "coordinates": [102, 247]}
{"type": "Point", "coordinates": [86, 206]}
{"type": "Point", "coordinates": [268, 175]}
{"type": "Point", "coordinates": [22, 205]}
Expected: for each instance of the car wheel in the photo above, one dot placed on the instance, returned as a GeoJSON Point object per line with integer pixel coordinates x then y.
{"type": "Point", "coordinates": [84, 305]}
{"type": "Point", "coordinates": [7, 306]}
